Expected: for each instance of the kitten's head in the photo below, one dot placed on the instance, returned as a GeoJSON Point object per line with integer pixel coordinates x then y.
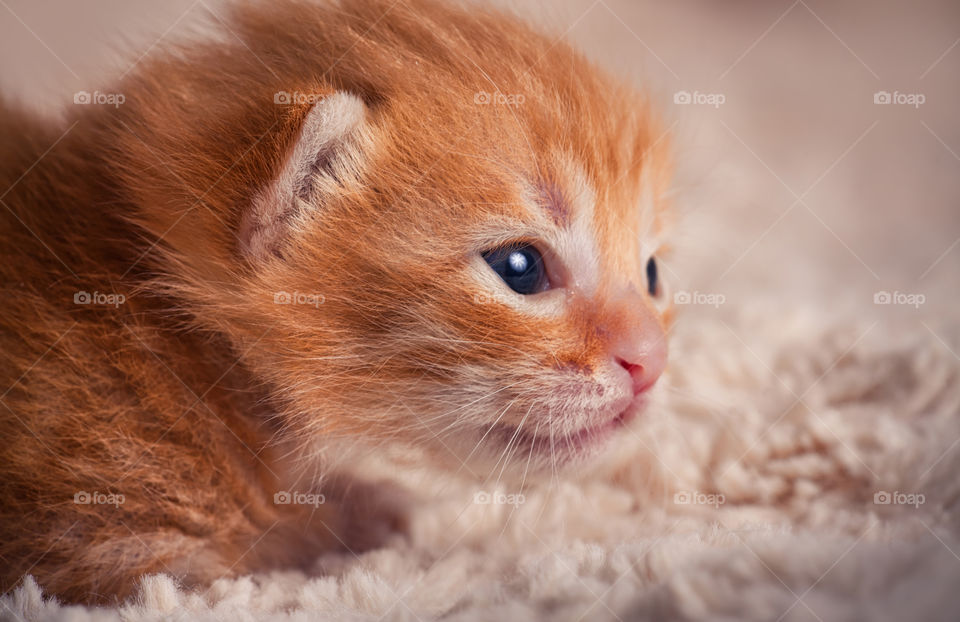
{"type": "Point", "coordinates": [455, 244]}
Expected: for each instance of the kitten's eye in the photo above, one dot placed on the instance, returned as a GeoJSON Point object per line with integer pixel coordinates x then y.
{"type": "Point", "coordinates": [520, 266]}
{"type": "Point", "coordinates": [653, 285]}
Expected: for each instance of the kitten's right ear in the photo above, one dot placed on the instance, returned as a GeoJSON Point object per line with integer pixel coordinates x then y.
{"type": "Point", "coordinates": [327, 154]}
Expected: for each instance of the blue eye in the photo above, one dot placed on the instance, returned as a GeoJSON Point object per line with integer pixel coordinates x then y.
{"type": "Point", "coordinates": [520, 266]}
{"type": "Point", "coordinates": [652, 284]}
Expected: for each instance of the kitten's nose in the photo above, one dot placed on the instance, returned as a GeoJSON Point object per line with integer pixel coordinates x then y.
{"type": "Point", "coordinates": [642, 352]}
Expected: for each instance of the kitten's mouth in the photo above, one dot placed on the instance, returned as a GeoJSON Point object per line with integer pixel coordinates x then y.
{"type": "Point", "coordinates": [567, 447]}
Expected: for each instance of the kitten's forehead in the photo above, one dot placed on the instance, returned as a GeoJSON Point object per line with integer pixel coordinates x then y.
{"type": "Point", "coordinates": [597, 233]}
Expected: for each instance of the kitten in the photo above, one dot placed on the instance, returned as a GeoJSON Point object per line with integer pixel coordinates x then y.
{"type": "Point", "coordinates": [374, 221]}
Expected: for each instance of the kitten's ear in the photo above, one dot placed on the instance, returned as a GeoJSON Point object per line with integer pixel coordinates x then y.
{"type": "Point", "coordinates": [326, 154]}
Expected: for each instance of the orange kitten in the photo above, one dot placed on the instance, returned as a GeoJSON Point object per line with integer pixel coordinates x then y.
{"type": "Point", "coordinates": [402, 221]}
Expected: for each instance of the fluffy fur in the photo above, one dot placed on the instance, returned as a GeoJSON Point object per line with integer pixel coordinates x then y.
{"type": "Point", "coordinates": [186, 388]}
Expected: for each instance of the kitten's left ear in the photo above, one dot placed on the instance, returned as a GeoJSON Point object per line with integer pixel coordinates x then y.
{"type": "Point", "coordinates": [326, 154]}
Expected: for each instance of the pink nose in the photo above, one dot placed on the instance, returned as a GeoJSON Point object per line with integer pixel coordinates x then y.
{"type": "Point", "coordinates": [642, 352]}
{"type": "Point", "coordinates": [643, 376]}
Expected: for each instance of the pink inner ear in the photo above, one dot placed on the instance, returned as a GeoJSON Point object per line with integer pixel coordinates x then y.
{"type": "Point", "coordinates": [555, 204]}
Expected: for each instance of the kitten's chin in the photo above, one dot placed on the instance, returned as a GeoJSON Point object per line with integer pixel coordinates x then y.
{"type": "Point", "coordinates": [528, 452]}
{"type": "Point", "coordinates": [578, 446]}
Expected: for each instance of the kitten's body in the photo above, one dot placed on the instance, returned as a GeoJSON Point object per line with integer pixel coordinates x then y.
{"type": "Point", "coordinates": [114, 399]}
{"type": "Point", "coordinates": [186, 396]}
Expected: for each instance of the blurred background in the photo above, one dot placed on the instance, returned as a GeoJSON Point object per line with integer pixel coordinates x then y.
{"type": "Point", "coordinates": [796, 178]}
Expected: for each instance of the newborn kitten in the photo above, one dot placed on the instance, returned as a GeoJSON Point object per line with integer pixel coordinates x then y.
{"type": "Point", "coordinates": [367, 221]}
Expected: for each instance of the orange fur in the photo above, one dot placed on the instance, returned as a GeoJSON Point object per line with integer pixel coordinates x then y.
{"type": "Point", "coordinates": [189, 396]}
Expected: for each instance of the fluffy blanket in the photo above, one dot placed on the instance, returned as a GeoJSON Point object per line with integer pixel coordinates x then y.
{"type": "Point", "coordinates": [807, 472]}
